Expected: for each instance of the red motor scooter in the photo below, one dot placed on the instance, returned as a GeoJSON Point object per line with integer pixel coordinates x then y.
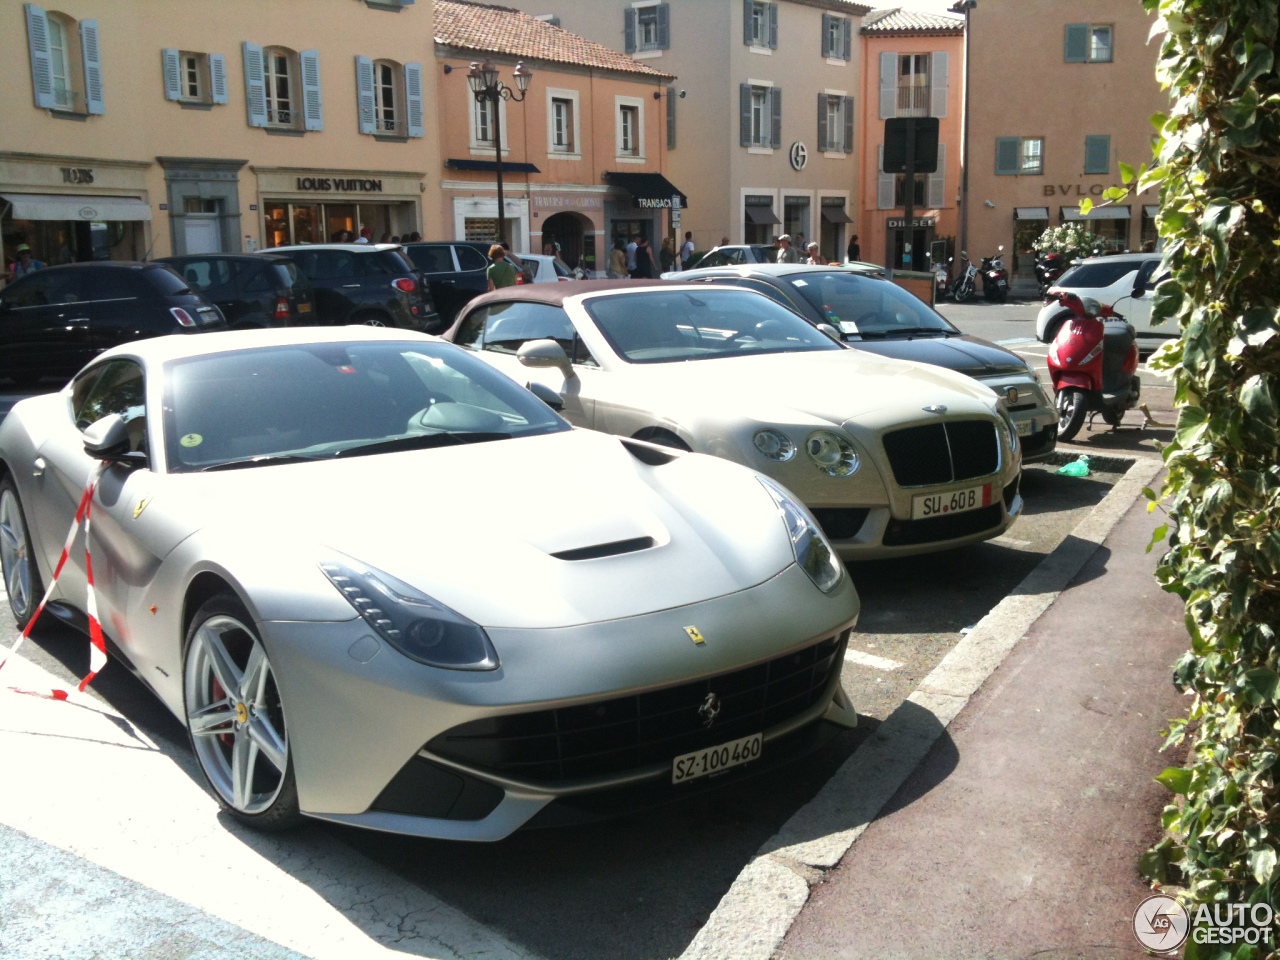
{"type": "Point", "coordinates": [1093, 363]}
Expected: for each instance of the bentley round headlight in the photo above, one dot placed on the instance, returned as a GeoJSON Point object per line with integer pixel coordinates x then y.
{"type": "Point", "coordinates": [833, 454]}
{"type": "Point", "coordinates": [774, 444]}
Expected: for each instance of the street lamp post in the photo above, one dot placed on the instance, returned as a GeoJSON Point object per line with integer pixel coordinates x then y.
{"type": "Point", "coordinates": [484, 83]}
{"type": "Point", "coordinates": [965, 7]}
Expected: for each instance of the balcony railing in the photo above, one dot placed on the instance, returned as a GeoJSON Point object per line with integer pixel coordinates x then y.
{"type": "Point", "coordinates": [913, 98]}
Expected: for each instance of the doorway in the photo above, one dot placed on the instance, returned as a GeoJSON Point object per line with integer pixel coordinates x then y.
{"type": "Point", "coordinates": [921, 237]}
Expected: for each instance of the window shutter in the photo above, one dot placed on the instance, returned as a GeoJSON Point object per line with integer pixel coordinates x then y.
{"type": "Point", "coordinates": [1097, 154]}
{"type": "Point", "coordinates": [888, 85]}
{"type": "Point", "coordinates": [366, 99]}
{"type": "Point", "coordinates": [822, 122]}
{"type": "Point", "coordinates": [773, 28]}
{"type": "Point", "coordinates": [1007, 152]}
{"type": "Point", "coordinates": [413, 99]}
{"type": "Point", "coordinates": [41, 66]}
{"type": "Point", "coordinates": [671, 118]}
{"type": "Point", "coordinates": [312, 107]}
{"type": "Point", "coordinates": [748, 7]}
{"type": "Point", "coordinates": [884, 185]}
{"type": "Point", "coordinates": [172, 81]}
{"type": "Point", "coordinates": [848, 125]}
{"type": "Point", "coordinates": [1077, 43]}
{"type": "Point", "coordinates": [775, 104]}
{"type": "Point", "coordinates": [826, 40]}
{"type": "Point", "coordinates": [664, 26]}
{"type": "Point", "coordinates": [255, 85]}
{"type": "Point", "coordinates": [846, 30]}
{"type": "Point", "coordinates": [93, 100]}
{"type": "Point", "coordinates": [937, 183]}
{"type": "Point", "coordinates": [938, 63]}
{"type": "Point", "coordinates": [744, 106]}
{"type": "Point", "coordinates": [629, 30]}
{"type": "Point", "coordinates": [218, 77]}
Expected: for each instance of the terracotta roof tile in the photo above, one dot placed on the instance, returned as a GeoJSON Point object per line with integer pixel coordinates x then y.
{"type": "Point", "coordinates": [900, 22]}
{"type": "Point", "coordinates": [486, 28]}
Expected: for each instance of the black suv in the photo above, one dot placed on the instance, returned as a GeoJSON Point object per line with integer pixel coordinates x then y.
{"type": "Point", "coordinates": [251, 290]}
{"type": "Point", "coordinates": [454, 271]}
{"type": "Point", "coordinates": [54, 321]}
{"type": "Point", "coordinates": [370, 283]}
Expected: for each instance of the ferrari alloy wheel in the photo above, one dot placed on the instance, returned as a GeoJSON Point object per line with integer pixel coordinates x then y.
{"type": "Point", "coordinates": [1072, 406]}
{"type": "Point", "coordinates": [21, 575]}
{"type": "Point", "coordinates": [235, 717]}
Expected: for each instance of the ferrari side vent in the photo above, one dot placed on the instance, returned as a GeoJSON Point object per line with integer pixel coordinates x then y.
{"type": "Point", "coordinates": [652, 454]}
{"type": "Point", "coordinates": [606, 549]}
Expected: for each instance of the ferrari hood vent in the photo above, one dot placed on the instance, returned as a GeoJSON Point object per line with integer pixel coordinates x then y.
{"type": "Point", "coordinates": [606, 549]}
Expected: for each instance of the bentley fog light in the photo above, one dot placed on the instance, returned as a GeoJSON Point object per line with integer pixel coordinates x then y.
{"type": "Point", "coordinates": [812, 551]}
{"type": "Point", "coordinates": [774, 444]}
{"type": "Point", "coordinates": [410, 621]}
{"type": "Point", "coordinates": [833, 454]}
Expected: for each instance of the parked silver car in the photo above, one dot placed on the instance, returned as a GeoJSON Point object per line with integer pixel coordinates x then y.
{"type": "Point", "coordinates": [1122, 281]}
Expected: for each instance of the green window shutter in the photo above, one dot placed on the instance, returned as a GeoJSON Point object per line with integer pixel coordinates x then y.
{"type": "Point", "coordinates": [1097, 154]}
{"type": "Point", "coordinates": [93, 99]}
{"type": "Point", "coordinates": [41, 62]}
{"type": "Point", "coordinates": [1007, 154]}
{"type": "Point", "coordinates": [1076, 43]}
{"type": "Point", "coordinates": [312, 107]}
{"type": "Point", "coordinates": [366, 99]}
{"type": "Point", "coordinates": [172, 79]}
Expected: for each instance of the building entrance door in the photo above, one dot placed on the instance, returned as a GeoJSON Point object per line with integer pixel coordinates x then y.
{"type": "Point", "coordinates": [201, 234]}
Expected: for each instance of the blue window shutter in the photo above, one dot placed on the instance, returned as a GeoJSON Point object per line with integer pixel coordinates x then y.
{"type": "Point", "coordinates": [848, 125]}
{"type": "Point", "coordinates": [41, 65]}
{"type": "Point", "coordinates": [413, 98]}
{"type": "Point", "coordinates": [629, 30]}
{"type": "Point", "coordinates": [1076, 43]}
{"type": "Point", "coordinates": [846, 29]}
{"type": "Point", "coordinates": [773, 26]}
{"type": "Point", "coordinates": [937, 182]}
{"type": "Point", "coordinates": [664, 26]}
{"type": "Point", "coordinates": [775, 104]}
{"type": "Point", "coordinates": [888, 86]}
{"type": "Point", "coordinates": [366, 102]}
{"type": "Point", "coordinates": [826, 41]}
{"type": "Point", "coordinates": [938, 83]}
{"type": "Point", "coordinates": [1008, 152]}
{"type": "Point", "coordinates": [312, 107]}
{"type": "Point", "coordinates": [748, 8]}
{"type": "Point", "coordinates": [218, 77]}
{"type": "Point", "coordinates": [93, 99]}
{"type": "Point", "coordinates": [172, 80]}
{"type": "Point", "coordinates": [744, 105]}
{"type": "Point", "coordinates": [822, 122]}
{"type": "Point", "coordinates": [255, 85]}
{"type": "Point", "coordinates": [1097, 154]}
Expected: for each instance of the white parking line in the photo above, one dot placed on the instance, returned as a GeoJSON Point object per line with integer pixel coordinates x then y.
{"type": "Point", "coordinates": [870, 660]}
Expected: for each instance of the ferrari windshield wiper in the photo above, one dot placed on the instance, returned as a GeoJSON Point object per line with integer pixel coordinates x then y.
{"type": "Point", "coordinates": [268, 459]}
{"type": "Point", "coordinates": [421, 441]}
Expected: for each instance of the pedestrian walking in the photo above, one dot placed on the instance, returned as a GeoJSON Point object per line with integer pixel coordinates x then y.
{"type": "Point", "coordinates": [501, 272]}
{"type": "Point", "coordinates": [686, 250]}
{"type": "Point", "coordinates": [855, 251]}
{"type": "Point", "coordinates": [24, 264]}
{"type": "Point", "coordinates": [786, 253]}
{"type": "Point", "coordinates": [667, 255]}
{"type": "Point", "coordinates": [814, 257]}
{"type": "Point", "coordinates": [617, 260]}
{"type": "Point", "coordinates": [631, 254]}
{"type": "Point", "coordinates": [644, 261]}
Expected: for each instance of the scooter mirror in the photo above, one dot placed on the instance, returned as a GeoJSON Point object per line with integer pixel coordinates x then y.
{"type": "Point", "coordinates": [1000, 249]}
{"type": "Point", "coordinates": [964, 253]}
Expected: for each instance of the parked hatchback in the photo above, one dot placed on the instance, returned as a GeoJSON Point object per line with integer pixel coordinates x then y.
{"type": "Point", "coordinates": [54, 321]}
{"type": "Point", "coordinates": [454, 272]}
{"type": "Point", "coordinates": [370, 283]}
{"type": "Point", "coordinates": [250, 290]}
{"type": "Point", "coordinates": [1123, 282]}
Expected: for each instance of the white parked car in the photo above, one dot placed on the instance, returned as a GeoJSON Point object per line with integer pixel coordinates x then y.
{"type": "Point", "coordinates": [546, 268]}
{"type": "Point", "coordinates": [1123, 282]}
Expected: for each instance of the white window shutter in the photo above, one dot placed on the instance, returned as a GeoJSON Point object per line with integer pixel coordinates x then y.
{"type": "Point", "coordinates": [172, 80]}
{"type": "Point", "coordinates": [937, 184]}
{"type": "Point", "coordinates": [884, 185]}
{"type": "Point", "coordinates": [366, 101]}
{"type": "Point", "coordinates": [41, 66]}
{"type": "Point", "coordinates": [413, 99]}
{"type": "Point", "coordinates": [255, 85]}
{"type": "Point", "coordinates": [312, 107]}
{"type": "Point", "coordinates": [938, 93]}
{"type": "Point", "coordinates": [218, 77]}
{"type": "Point", "coordinates": [888, 85]}
{"type": "Point", "coordinates": [93, 99]}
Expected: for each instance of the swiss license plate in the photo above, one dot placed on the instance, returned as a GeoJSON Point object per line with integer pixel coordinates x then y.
{"type": "Point", "coordinates": [703, 763]}
{"type": "Point", "coordinates": [304, 308]}
{"type": "Point", "coordinates": [1025, 427]}
{"type": "Point", "coordinates": [927, 505]}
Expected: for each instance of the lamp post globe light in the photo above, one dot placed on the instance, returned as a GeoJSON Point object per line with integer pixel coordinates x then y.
{"type": "Point", "coordinates": [485, 85]}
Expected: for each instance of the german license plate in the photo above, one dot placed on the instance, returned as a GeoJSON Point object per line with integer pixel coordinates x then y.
{"type": "Point", "coordinates": [304, 308]}
{"type": "Point", "coordinates": [1025, 427]}
{"type": "Point", "coordinates": [927, 505]}
{"type": "Point", "coordinates": [703, 763]}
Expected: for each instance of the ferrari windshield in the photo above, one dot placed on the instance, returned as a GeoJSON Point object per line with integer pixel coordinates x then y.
{"type": "Point", "coordinates": [665, 325]}
{"type": "Point", "coordinates": [868, 306]}
{"type": "Point", "coordinates": [285, 404]}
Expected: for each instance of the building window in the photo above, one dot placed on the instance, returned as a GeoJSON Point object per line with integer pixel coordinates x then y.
{"type": "Point", "coordinates": [900, 190]}
{"type": "Point", "coordinates": [191, 79]}
{"type": "Point", "coordinates": [761, 115]}
{"type": "Point", "coordinates": [835, 123]}
{"type": "Point", "coordinates": [484, 121]}
{"type": "Point", "coordinates": [65, 75]}
{"type": "Point", "coordinates": [1097, 154]}
{"type": "Point", "coordinates": [1019, 155]}
{"type": "Point", "coordinates": [913, 85]}
{"type": "Point", "coordinates": [1088, 43]}
{"type": "Point", "coordinates": [760, 24]}
{"type": "Point", "coordinates": [647, 28]}
{"type": "Point", "coordinates": [836, 37]}
{"type": "Point", "coordinates": [561, 125]}
{"type": "Point", "coordinates": [389, 98]}
{"type": "Point", "coordinates": [1032, 156]}
{"type": "Point", "coordinates": [1100, 44]}
{"type": "Point", "coordinates": [64, 95]}
{"type": "Point", "coordinates": [278, 74]}
{"type": "Point", "coordinates": [387, 85]}
{"type": "Point", "coordinates": [628, 131]}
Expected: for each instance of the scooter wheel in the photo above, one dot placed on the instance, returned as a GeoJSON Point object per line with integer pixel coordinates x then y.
{"type": "Point", "coordinates": [1072, 407]}
{"type": "Point", "coordinates": [963, 293]}
{"type": "Point", "coordinates": [1112, 417]}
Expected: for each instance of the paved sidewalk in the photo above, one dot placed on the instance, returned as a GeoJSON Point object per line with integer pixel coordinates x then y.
{"type": "Point", "coordinates": [1018, 837]}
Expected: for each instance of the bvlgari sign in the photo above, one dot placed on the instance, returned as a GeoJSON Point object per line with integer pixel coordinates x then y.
{"type": "Point", "coordinates": [339, 184]}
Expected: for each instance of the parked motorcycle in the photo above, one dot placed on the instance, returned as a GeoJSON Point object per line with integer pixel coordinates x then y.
{"type": "Point", "coordinates": [1049, 267]}
{"type": "Point", "coordinates": [966, 280]}
{"type": "Point", "coordinates": [1093, 363]}
{"type": "Point", "coordinates": [941, 281]}
{"type": "Point", "coordinates": [995, 278]}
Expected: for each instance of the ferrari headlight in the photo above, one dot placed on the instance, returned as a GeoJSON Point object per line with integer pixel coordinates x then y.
{"type": "Point", "coordinates": [419, 627]}
{"type": "Point", "coordinates": [833, 454]}
{"type": "Point", "coordinates": [774, 444]}
{"type": "Point", "coordinates": [812, 551]}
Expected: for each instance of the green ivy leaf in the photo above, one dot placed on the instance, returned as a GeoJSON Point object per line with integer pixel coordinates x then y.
{"type": "Point", "coordinates": [1085, 206]}
{"type": "Point", "coordinates": [1261, 682]}
{"type": "Point", "coordinates": [1158, 534]}
{"type": "Point", "coordinates": [1127, 174]}
{"type": "Point", "coordinates": [1262, 863]}
{"type": "Point", "coordinates": [1256, 399]}
{"type": "Point", "coordinates": [1177, 779]}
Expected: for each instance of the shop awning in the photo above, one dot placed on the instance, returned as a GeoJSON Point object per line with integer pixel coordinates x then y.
{"type": "Point", "coordinates": [835, 215]}
{"type": "Point", "coordinates": [649, 189]}
{"type": "Point", "coordinates": [1031, 213]}
{"type": "Point", "coordinates": [491, 166]}
{"type": "Point", "coordinates": [761, 214]}
{"type": "Point", "coordinates": [1097, 213]}
{"type": "Point", "coordinates": [1151, 210]}
{"type": "Point", "coordinates": [49, 206]}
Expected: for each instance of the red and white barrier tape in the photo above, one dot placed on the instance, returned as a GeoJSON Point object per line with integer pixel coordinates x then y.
{"type": "Point", "coordinates": [97, 643]}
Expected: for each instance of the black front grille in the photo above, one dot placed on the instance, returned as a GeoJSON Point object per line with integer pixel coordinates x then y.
{"type": "Point", "coordinates": [943, 452]}
{"type": "Point", "coordinates": [904, 533]}
{"type": "Point", "coordinates": [624, 733]}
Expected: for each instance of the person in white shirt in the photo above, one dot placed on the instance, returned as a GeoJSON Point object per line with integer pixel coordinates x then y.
{"type": "Point", "coordinates": [686, 249]}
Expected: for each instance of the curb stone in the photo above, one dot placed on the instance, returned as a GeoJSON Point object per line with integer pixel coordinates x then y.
{"type": "Point", "coordinates": [755, 914]}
